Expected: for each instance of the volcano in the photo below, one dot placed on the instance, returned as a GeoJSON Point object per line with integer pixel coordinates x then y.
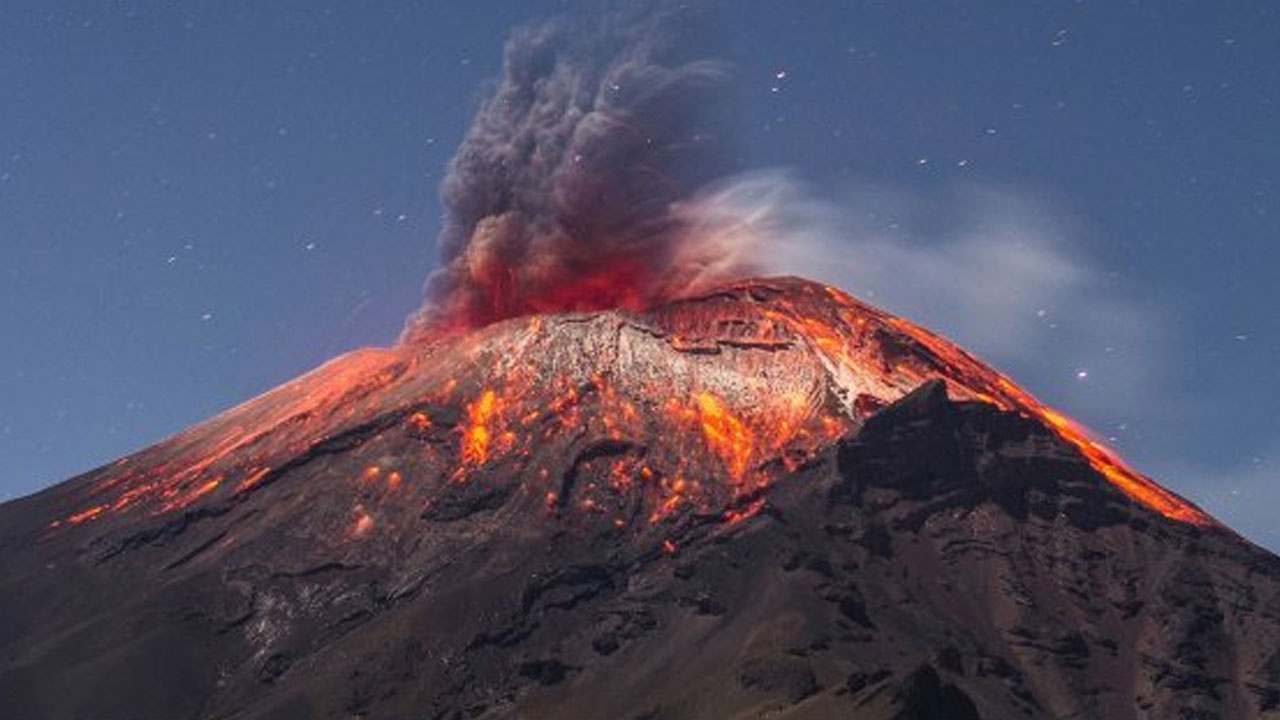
{"type": "Point", "coordinates": [765, 500]}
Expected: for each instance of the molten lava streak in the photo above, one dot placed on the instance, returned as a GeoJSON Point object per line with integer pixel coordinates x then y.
{"type": "Point", "coordinates": [725, 434]}
{"type": "Point", "coordinates": [967, 376]}
{"type": "Point", "coordinates": [475, 441]}
{"type": "Point", "coordinates": [699, 404]}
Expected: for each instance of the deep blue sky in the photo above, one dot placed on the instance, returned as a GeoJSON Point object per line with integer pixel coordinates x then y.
{"type": "Point", "coordinates": [201, 200]}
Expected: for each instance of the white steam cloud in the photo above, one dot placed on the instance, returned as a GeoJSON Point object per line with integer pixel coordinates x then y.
{"type": "Point", "coordinates": [993, 269]}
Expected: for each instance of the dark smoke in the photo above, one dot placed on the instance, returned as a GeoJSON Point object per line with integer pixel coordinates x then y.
{"type": "Point", "coordinates": [563, 194]}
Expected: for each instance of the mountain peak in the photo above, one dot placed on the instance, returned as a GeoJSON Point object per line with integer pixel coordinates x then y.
{"type": "Point", "coordinates": [735, 381]}
{"type": "Point", "coordinates": [769, 499]}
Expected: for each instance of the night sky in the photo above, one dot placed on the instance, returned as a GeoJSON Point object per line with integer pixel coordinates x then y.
{"type": "Point", "coordinates": [199, 201]}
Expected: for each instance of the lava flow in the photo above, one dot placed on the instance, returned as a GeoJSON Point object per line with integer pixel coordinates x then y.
{"type": "Point", "coordinates": [699, 404]}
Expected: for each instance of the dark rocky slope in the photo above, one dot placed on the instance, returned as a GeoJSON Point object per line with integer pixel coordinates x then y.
{"type": "Point", "coordinates": [934, 558]}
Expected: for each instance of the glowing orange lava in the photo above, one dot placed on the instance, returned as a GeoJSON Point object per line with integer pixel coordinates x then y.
{"type": "Point", "coordinates": [726, 434]}
{"type": "Point", "coordinates": [475, 440]}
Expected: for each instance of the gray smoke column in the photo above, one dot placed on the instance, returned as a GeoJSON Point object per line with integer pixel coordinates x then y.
{"type": "Point", "coordinates": [566, 192]}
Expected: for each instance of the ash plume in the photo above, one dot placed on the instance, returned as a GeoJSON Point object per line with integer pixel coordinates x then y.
{"type": "Point", "coordinates": [563, 194]}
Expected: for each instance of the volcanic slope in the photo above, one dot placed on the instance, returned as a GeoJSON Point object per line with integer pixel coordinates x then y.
{"type": "Point", "coordinates": [766, 501]}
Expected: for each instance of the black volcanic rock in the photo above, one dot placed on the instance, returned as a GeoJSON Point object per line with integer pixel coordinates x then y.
{"type": "Point", "coordinates": [938, 558]}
